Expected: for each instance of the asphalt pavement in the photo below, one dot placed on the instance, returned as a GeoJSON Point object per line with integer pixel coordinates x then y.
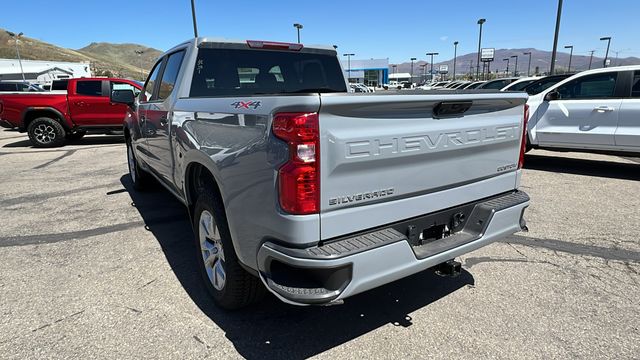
{"type": "Point", "coordinates": [90, 268]}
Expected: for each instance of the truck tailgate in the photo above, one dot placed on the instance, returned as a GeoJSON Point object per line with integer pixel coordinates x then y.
{"type": "Point", "coordinates": [385, 158]}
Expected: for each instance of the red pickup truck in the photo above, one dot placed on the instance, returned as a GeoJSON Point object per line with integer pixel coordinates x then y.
{"type": "Point", "coordinates": [51, 119]}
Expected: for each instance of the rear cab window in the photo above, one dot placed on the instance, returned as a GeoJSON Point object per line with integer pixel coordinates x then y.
{"type": "Point", "coordinates": [89, 88]}
{"type": "Point", "coordinates": [233, 72]}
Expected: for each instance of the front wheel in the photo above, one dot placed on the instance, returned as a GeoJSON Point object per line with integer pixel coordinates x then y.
{"type": "Point", "coordinates": [139, 177]}
{"type": "Point", "coordinates": [229, 284]}
{"type": "Point", "coordinates": [46, 132]}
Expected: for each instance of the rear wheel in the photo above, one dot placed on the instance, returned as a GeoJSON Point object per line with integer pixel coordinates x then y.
{"type": "Point", "coordinates": [139, 177]}
{"type": "Point", "coordinates": [45, 132]}
{"type": "Point", "coordinates": [229, 284]}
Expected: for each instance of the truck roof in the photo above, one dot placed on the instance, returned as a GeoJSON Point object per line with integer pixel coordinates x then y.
{"type": "Point", "coordinates": [221, 42]}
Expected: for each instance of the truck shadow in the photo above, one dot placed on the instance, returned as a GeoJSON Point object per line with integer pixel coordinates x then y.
{"type": "Point", "coordinates": [599, 168]}
{"type": "Point", "coordinates": [272, 329]}
{"type": "Point", "coordinates": [87, 140]}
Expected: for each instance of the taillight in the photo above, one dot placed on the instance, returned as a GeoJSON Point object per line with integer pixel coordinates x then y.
{"type": "Point", "coordinates": [523, 142]}
{"type": "Point", "coordinates": [299, 177]}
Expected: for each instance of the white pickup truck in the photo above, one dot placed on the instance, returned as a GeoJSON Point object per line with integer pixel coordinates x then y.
{"type": "Point", "coordinates": [295, 185]}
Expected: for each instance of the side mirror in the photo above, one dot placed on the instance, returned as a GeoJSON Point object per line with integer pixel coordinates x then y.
{"type": "Point", "coordinates": [123, 97]}
{"type": "Point", "coordinates": [552, 95]}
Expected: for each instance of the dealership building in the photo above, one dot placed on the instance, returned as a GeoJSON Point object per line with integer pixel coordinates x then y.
{"type": "Point", "coordinates": [372, 72]}
{"type": "Point", "coordinates": [42, 72]}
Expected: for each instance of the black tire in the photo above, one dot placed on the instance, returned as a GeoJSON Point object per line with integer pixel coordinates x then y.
{"type": "Point", "coordinates": [139, 177]}
{"type": "Point", "coordinates": [77, 135]}
{"type": "Point", "coordinates": [46, 132]}
{"type": "Point", "coordinates": [239, 287]}
{"type": "Point", "coordinates": [527, 144]}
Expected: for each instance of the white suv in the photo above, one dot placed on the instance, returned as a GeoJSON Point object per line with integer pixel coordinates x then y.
{"type": "Point", "coordinates": [595, 110]}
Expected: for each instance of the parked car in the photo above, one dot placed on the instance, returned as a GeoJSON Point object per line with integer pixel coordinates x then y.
{"type": "Point", "coordinates": [595, 110]}
{"type": "Point", "coordinates": [19, 86]}
{"type": "Point", "coordinates": [52, 118]}
{"type": "Point", "coordinates": [519, 84]}
{"type": "Point", "coordinates": [497, 84]}
{"type": "Point", "coordinates": [544, 83]}
{"type": "Point", "coordinates": [291, 182]}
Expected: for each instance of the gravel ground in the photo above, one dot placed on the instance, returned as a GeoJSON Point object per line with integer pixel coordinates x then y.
{"type": "Point", "coordinates": [92, 269]}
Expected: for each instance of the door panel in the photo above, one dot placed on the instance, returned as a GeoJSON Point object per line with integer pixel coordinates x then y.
{"type": "Point", "coordinates": [145, 101]}
{"type": "Point", "coordinates": [90, 106]}
{"type": "Point", "coordinates": [579, 122]}
{"type": "Point", "coordinates": [586, 113]}
{"type": "Point", "coordinates": [157, 120]}
{"type": "Point", "coordinates": [628, 131]}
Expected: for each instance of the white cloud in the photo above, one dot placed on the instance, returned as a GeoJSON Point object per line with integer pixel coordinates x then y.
{"type": "Point", "coordinates": [444, 38]}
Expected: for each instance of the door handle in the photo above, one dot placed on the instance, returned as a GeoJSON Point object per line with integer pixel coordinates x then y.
{"type": "Point", "coordinates": [602, 109]}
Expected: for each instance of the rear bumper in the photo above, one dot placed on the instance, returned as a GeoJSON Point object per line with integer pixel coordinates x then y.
{"type": "Point", "coordinates": [338, 269]}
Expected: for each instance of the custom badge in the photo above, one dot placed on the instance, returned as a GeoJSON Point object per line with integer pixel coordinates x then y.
{"type": "Point", "coordinates": [246, 104]}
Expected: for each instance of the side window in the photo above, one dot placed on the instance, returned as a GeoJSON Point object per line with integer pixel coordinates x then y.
{"type": "Point", "coordinates": [151, 82]}
{"type": "Point", "coordinates": [8, 87]}
{"type": "Point", "coordinates": [124, 86]}
{"type": "Point", "coordinates": [170, 75]}
{"type": "Point", "coordinates": [89, 88]}
{"type": "Point", "coordinates": [635, 85]}
{"type": "Point", "coordinates": [597, 86]}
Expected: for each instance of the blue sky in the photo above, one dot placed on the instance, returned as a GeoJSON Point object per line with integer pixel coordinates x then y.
{"type": "Point", "coordinates": [370, 29]}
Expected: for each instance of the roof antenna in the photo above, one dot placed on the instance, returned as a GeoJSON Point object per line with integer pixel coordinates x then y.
{"type": "Point", "coordinates": [193, 15]}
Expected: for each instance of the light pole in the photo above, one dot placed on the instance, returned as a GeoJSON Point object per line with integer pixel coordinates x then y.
{"type": "Point", "coordinates": [591, 58]}
{"type": "Point", "coordinates": [16, 38]}
{"type": "Point", "coordinates": [431, 54]}
{"type": "Point", "coordinates": [455, 55]}
{"type": "Point", "coordinates": [412, 60]}
{"type": "Point", "coordinates": [515, 72]}
{"type": "Point", "coordinates": [507, 60]}
{"type": "Point", "coordinates": [298, 27]}
{"type": "Point", "coordinates": [555, 38]}
{"type": "Point", "coordinates": [424, 69]}
{"type": "Point", "coordinates": [349, 65]}
{"type": "Point", "coordinates": [606, 55]}
{"type": "Point", "coordinates": [480, 22]}
{"type": "Point", "coordinates": [335, 47]}
{"type": "Point", "coordinates": [570, 56]}
{"type": "Point", "coordinates": [529, 67]}
{"type": "Point", "coordinates": [193, 16]}
{"type": "Point", "coordinates": [140, 52]}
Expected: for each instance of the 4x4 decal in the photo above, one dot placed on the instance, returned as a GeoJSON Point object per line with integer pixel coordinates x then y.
{"type": "Point", "coordinates": [246, 104]}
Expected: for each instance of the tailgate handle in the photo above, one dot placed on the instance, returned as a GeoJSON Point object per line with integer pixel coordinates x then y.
{"type": "Point", "coordinates": [451, 108]}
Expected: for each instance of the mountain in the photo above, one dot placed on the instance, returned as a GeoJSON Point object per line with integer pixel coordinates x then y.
{"type": "Point", "coordinates": [123, 54]}
{"type": "Point", "coordinates": [118, 60]}
{"type": "Point", "coordinates": [539, 58]}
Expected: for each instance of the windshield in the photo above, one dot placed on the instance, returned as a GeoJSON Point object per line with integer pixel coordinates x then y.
{"type": "Point", "coordinates": [519, 86]}
{"type": "Point", "coordinates": [229, 72]}
{"type": "Point", "coordinates": [543, 84]}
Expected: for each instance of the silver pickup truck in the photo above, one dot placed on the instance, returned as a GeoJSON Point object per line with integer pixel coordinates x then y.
{"type": "Point", "coordinates": [295, 185]}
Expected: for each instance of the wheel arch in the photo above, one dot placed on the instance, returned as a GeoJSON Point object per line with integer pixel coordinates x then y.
{"type": "Point", "coordinates": [31, 113]}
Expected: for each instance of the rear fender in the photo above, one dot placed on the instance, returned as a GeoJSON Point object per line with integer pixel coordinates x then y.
{"type": "Point", "coordinates": [33, 112]}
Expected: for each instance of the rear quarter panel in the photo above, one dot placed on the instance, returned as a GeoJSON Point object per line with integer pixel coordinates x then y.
{"type": "Point", "coordinates": [15, 106]}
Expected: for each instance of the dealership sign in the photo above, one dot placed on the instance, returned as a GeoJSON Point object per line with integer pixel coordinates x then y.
{"type": "Point", "coordinates": [487, 54]}
{"type": "Point", "coordinates": [443, 69]}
